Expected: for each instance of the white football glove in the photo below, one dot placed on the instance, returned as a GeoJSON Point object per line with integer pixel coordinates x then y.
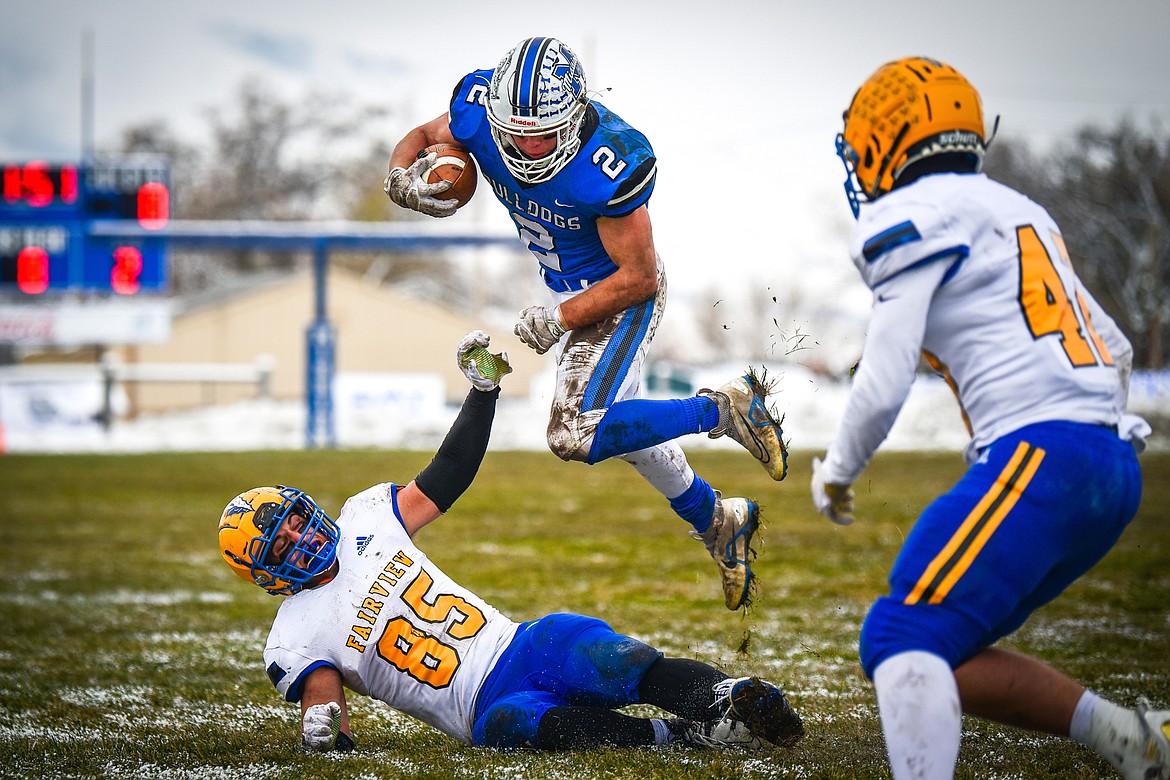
{"type": "Point", "coordinates": [406, 187]}
{"type": "Point", "coordinates": [833, 501]}
{"type": "Point", "coordinates": [540, 327]}
{"type": "Point", "coordinates": [484, 378]}
{"type": "Point", "coordinates": [320, 726]}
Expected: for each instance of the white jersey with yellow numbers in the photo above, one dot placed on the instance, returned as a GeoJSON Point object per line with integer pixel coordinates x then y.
{"type": "Point", "coordinates": [975, 277]}
{"type": "Point", "coordinates": [391, 623]}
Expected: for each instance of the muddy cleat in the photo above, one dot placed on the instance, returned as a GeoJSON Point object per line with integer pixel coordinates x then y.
{"type": "Point", "coordinates": [762, 707]}
{"type": "Point", "coordinates": [745, 417]}
{"type": "Point", "coordinates": [729, 540]}
{"type": "Point", "coordinates": [715, 734]}
{"type": "Point", "coordinates": [1154, 763]}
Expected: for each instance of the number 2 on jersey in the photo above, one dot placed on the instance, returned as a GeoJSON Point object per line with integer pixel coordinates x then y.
{"type": "Point", "coordinates": [1047, 307]}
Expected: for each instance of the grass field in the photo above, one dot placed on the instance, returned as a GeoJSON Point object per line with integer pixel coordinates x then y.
{"type": "Point", "coordinates": [129, 650]}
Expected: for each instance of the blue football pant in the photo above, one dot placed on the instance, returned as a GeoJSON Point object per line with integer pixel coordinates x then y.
{"type": "Point", "coordinates": [1038, 510]}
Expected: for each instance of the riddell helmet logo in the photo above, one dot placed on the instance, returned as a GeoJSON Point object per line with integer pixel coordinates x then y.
{"type": "Point", "coordinates": [522, 122]}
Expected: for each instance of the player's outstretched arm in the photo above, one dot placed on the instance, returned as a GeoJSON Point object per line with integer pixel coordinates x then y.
{"type": "Point", "coordinates": [456, 463]}
{"type": "Point", "coordinates": [324, 716]}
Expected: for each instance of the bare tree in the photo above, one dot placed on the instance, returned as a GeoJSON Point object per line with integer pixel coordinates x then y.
{"type": "Point", "coordinates": [270, 159]}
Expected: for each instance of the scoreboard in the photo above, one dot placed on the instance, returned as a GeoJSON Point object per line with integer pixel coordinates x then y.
{"type": "Point", "coordinates": [47, 212]}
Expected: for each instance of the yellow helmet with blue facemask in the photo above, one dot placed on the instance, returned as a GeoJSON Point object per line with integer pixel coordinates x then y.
{"type": "Point", "coordinates": [248, 526]}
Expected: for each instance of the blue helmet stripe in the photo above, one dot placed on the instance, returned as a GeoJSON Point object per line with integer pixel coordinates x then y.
{"type": "Point", "coordinates": [527, 92]}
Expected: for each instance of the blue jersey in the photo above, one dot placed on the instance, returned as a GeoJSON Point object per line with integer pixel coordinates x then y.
{"type": "Point", "coordinates": [611, 175]}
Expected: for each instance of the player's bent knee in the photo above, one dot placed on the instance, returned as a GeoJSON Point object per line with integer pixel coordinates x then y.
{"type": "Point", "coordinates": [510, 727]}
{"type": "Point", "coordinates": [892, 627]}
{"type": "Point", "coordinates": [567, 443]}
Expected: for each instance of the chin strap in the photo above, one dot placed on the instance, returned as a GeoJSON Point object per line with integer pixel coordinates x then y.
{"type": "Point", "coordinates": [994, 130]}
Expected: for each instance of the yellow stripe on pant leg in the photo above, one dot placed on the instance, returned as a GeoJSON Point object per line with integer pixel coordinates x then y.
{"type": "Point", "coordinates": [1013, 496]}
{"type": "Point", "coordinates": [959, 552]}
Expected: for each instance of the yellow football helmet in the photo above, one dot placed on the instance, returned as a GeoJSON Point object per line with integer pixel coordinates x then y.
{"type": "Point", "coordinates": [907, 110]}
{"type": "Point", "coordinates": [248, 527]}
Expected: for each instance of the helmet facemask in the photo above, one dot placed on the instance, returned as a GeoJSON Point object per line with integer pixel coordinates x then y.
{"type": "Point", "coordinates": [537, 89]}
{"type": "Point", "coordinates": [248, 529]}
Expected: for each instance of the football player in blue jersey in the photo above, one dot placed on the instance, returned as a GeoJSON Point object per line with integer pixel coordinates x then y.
{"type": "Point", "coordinates": [575, 178]}
{"type": "Point", "coordinates": [975, 277]}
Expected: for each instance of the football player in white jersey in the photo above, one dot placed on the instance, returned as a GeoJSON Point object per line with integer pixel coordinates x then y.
{"type": "Point", "coordinates": [368, 611]}
{"type": "Point", "coordinates": [575, 179]}
{"type": "Point", "coordinates": [975, 277]}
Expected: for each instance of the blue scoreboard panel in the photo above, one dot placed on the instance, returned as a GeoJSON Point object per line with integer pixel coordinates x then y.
{"type": "Point", "coordinates": [46, 215]}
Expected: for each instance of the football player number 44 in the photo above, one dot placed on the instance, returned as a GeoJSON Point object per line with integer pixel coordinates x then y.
{"type": "Point", "coordinates": [1047, 304]}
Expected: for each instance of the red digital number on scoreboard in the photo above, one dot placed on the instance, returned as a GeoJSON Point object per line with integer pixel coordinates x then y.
{"type": "Point", "coordinates": [127, 271]}
{"type": "Point", "coordinates": [38, 184]}
{"type": "Point", "coordinates": [32, 270]}
{"type": "Point", "coordinates": [154, 205]}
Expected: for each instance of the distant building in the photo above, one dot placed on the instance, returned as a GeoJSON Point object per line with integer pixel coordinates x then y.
{"type": "Point", "coordinates": [378, 332]}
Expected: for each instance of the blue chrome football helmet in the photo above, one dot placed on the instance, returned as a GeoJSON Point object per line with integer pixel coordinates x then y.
{"type": "Point", "coordinates": [248, 527]}
{"type": "Point", "coordinates": [537, 89]}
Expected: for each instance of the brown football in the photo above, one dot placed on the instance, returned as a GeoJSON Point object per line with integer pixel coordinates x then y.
{"type": "Point", "coordinates": [453, 164]}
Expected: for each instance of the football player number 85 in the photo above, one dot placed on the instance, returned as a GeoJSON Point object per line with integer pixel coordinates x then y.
{"type": "Point", "coordinates": [421, 655]}
{"type": "Point", "coordinates": [1047, 306]}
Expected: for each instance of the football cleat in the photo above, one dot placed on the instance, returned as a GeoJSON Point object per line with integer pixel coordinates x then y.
{"type": "Point", "coordinates": [715, 734]}
{"type": "Point", "coordinates": [1154, 763]}
{"type": "Point", "coordinates": [745, 417]}
{"type": "Point", "coordinates": [761, 706]}
{"type": "Point", "coordinates": [729, 540]}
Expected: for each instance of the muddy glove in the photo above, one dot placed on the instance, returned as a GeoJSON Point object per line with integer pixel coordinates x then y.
{"type": "Point", "coordinates": [406, 187]}
{"type": "Point", "coordinates": [320, 726]}
{"type": "Point", "coordinates": [483, 369]}
{"type": "Point", "coordinates": [833, 501]}
{"type": "Point", "coordinates": [540, 327]}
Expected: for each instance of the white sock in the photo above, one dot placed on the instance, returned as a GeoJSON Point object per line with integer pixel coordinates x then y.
{"type": "Point", "coordinates": [1082, 720]}
{"type": "Point", "coordinates": [664, 466]}
{"type": "Point", "coordinates": [922, 719]}
{"type": "Point", "coordinates": [1114, 732]}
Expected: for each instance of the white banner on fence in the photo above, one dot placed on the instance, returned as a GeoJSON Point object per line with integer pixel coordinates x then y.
{"type": "Point", "coordinates": [75, 323]}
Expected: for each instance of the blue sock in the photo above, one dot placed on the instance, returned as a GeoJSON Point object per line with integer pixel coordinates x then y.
{"type": "Point", "coordinates": [696, 504]}
{"type": "Point", "coordinates": [629, 426]}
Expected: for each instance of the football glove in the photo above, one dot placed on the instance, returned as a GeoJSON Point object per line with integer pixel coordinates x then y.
{"type": "Point", "coordinates": [540, 327]}
{"type": "Point", "coordinates": [406, 187]}
{"type": "Point", "coordinates": [483, 369]}
{"type": "Point", "coordinates": [320, 726]}
{"type": "Point", "coordinates": [833, 501]}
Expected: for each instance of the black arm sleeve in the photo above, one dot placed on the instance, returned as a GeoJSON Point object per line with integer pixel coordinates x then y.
{"type": "Point", "coordinates": [454, 466]}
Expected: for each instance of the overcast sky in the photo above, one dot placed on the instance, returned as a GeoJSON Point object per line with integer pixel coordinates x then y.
{"type": "Point", "coordinates": [741, 100]}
